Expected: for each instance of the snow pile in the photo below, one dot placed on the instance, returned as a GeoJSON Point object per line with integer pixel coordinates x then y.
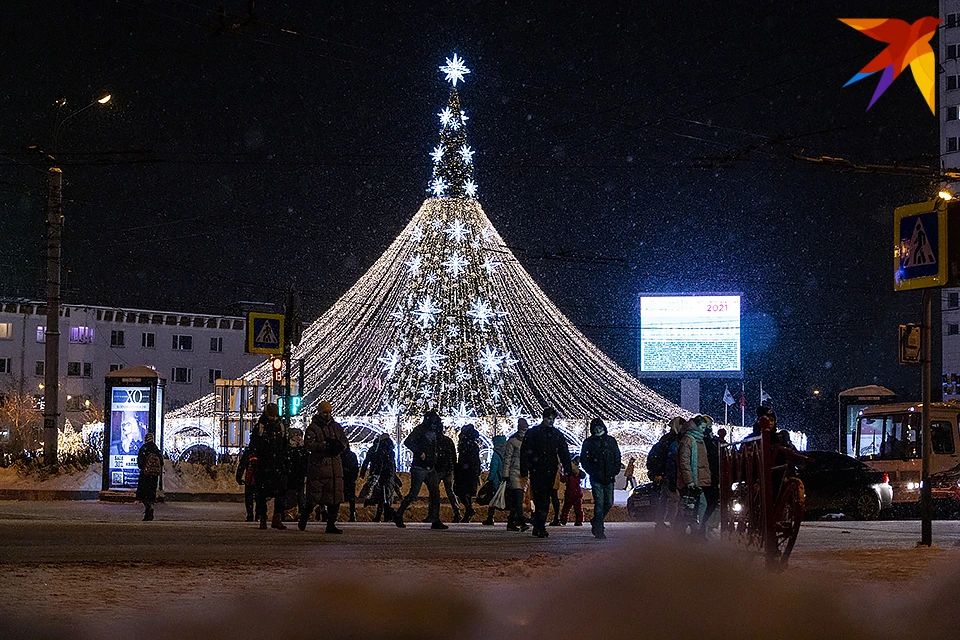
{"type": "Point", "coordinates": [182, 477]}
{"type": "Point", "coordinates": [86, 480]}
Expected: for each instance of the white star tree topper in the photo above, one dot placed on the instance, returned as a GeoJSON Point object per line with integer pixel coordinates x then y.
{"type": "Point", "coordinates": [455, 69]}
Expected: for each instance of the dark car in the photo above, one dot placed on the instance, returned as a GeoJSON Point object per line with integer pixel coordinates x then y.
{"type": "Point", "coordinates": [833, 482]}
{"type": "Point", "coordinates": [642, 502]}
{"type": "Point", "coordinates": [945, 489]}
{"type": "Point", "coordinates": [837, 483]}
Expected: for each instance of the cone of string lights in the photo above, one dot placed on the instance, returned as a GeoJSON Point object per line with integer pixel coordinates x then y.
{"type": "Point", "coordinates": [448, 319]}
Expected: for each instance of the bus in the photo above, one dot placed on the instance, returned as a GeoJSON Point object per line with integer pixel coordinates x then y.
{"type": "Point", "coordinates": [889, 439]}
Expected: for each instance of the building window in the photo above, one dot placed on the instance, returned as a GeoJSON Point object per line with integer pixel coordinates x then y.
{"type": "Point", "coordinates": [81, 335]}
{"type": "Point", "coordinates": [39, 368]}
{"type": "Point", "coordinates": [953, 299]}
{"type": "Point", "coordinates": [216, 344]}
{"type": "Point", "coordinates": [74, 369]}
{"type": "Point", "coordinates": [6, 331]}
{"type": "Point", "coordinates": [953, 143]}
{"type": "Point", "coordinates": [116, 338]}
{"type": "Point", "coordinates": [952, 113]}
{"type": "Point", "coordinates": [41, 334]}
{"type": "Point", "coordinates": [953, 329]}
{"type": "Point", "coordinates": [6, 365]}
{"type": "Point", "coordinates": [87, 369]}
{"type": "Point", "coordinates": [953, 82]}
{"type": "Point", "coordinates": [182, 375]}
{"type": "Point", "coordinates": [148, 340]}
{"type": "Point", "coordinates": [116, 367]}
{"type": "Point", "coordinates": [214, 374]}
{"type": "Point", "coordinates": [952, 20]}
{"type": "Point", "coordinates": [182, 343]}
{"type": "Point", "coordinates": [953, 51]}
{"type": "Point", "coordinates": [78, 403]}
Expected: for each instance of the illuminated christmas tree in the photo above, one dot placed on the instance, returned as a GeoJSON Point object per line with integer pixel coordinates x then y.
{"type": "Point", "coordinates": [448, 318]}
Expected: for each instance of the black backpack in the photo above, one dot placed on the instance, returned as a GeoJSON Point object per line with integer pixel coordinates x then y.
{"type": "Point", "coordinates": [657, 458]}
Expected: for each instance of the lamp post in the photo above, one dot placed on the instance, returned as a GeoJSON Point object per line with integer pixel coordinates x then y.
{"type": "Point", "coordinates": [54, 224]}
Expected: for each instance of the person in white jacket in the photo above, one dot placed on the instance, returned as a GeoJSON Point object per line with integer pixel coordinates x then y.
{"type": "Point", "coordinates": [515, 484]}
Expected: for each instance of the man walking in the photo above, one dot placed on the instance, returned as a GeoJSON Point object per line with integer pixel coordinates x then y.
{"type": "Point", "coordinates": [543, 451]}
{"type": "Point", "coordinates": [423, 443]}
{"type": "Point", "coordinates": [600, 458]}
{"type": "Point", "coordinates": [324, 440]}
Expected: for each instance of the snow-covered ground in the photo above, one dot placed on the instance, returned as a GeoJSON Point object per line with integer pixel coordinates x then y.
{"type": "Point", "coordinates": [200, 572]}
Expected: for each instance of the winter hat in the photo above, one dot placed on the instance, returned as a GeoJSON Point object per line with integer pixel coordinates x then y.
{"type": "Point", "coordinates": [676, 423]}
{"type": "Point", "coordinates": [762, 411]}
{"type": "Point", "coordinates": [148, 437]}
{"type": "Point", "coordinates": [522, 424]}
{"type": "Point", "coordinates": [325, 406]}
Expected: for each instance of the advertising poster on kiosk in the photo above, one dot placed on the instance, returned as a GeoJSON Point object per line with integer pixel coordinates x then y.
{"type": "Point", "coordinates": [129, 424]}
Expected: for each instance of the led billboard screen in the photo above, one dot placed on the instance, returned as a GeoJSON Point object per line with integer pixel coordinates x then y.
{"type": "Point", "coordinates": [697, 334]}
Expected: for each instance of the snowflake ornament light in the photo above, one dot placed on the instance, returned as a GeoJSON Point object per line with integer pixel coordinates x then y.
{"type": "Point", "coordinates": [455, 69]}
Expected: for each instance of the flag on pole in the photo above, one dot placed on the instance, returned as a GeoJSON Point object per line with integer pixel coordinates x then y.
{"type": "Point", "coordinates": [764, 396]}
{"type": "Point", "coordinates": [727, 396]}
{"type": "Point", "coordinates": [743, 400]}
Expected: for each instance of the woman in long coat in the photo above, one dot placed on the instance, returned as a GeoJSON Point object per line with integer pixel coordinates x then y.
{"type": "Point", "coordinates": [269, 443]}
{"type": "Point", "coordinates": [325, 440]}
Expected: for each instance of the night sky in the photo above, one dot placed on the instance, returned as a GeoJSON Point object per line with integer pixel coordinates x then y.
{"type": "Point", "coordinates": [645, 148]}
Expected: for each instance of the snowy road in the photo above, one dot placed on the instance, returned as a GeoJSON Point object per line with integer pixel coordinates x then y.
{"type": "Point", "coordinates": [97, 563]}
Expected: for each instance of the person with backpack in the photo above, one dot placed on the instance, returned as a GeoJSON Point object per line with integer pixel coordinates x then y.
{"type": "Point", "coordinates": [600, 456]}
{"type": "Point", "coordinates": [246, 477]}
{"type": "Point", "coordinates": [150, 463]}
{"type": "Point", "coordinates": [662, 471]}
{"type": "Point", "coordinates": [269, 444]}
{"type": "Point", "coordinates": [495, 475]}
{"type": "Point", "coordinates": [466, 475]}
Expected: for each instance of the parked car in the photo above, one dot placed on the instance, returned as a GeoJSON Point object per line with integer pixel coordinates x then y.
{"type": "Point", "coordinates": [833, 482]}
{"type": "Point", "coordinates": [642, 502]}
{"type": "Point", "coordinates": [945, 488]}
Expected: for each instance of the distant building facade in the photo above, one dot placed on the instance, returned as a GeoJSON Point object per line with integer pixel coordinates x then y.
{"type": "Point", "coordinates": [189, 350]}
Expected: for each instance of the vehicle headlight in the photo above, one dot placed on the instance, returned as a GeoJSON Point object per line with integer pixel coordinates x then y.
{"type": "Point", "coordinates": [737, 507]}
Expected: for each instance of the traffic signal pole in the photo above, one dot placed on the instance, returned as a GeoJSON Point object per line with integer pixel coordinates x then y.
{"type": "Point", "coordinates": [926, 496]}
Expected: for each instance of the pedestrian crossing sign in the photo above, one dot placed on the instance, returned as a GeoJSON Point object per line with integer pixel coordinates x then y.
{"type": "Point", "coordinates": [920, 245]}
{"type": "Point", "coordinates": [265, 333]}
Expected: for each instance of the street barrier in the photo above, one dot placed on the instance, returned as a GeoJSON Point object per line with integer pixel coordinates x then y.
{"type": "Point", "coordinates": [761, 500]}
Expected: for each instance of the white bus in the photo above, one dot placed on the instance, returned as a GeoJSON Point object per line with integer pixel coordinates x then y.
{"type": "Point", "coordinates": [888, 439]}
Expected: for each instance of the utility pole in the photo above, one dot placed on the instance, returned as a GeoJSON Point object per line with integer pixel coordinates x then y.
{"type": "Point", "coordinates": [51, 367]}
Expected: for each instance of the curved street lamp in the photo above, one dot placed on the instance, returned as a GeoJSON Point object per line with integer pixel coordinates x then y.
{"type": "Point", "coordinates": [51, 367]}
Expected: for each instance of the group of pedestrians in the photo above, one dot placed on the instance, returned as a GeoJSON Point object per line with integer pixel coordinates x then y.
{"type": "Point", "coordinates": [321, 473]}
{"type": "Point", "coordinates": [685, 463]}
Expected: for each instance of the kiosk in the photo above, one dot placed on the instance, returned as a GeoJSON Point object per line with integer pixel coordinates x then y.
{"type": "Point", "coordinates": [133, 407]}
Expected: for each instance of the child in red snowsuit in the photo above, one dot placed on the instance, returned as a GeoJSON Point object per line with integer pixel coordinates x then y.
{"type": "Point", "coordinates": [573, 495]}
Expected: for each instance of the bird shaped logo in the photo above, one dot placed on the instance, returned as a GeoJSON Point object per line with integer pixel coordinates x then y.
{"type": "Point", "coordinates": [908, 44]}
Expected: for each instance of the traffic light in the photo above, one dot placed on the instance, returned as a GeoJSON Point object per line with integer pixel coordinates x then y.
{"type": "Point", "coordinates": [294, 402]}
{"type": "Point", "coordinates": [276, 365]}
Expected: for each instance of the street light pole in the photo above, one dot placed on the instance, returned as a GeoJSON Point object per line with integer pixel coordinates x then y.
{"type": "Point", "coordinates": [51, 368]}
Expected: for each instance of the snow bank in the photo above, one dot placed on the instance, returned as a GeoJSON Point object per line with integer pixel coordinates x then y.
{"type": "Point", "coordinates": [180, 477]}
{"type": "Point", "coordinates": [87, 480]}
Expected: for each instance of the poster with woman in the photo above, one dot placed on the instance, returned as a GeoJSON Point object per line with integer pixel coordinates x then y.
{"type": "Point", "coordinates": [129, 423]}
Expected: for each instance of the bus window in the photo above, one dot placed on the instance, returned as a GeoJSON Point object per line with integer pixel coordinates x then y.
{"type": "Point", "coordinates": [893, 437]}
{"type": "Point", "coordinates": [941, 435]}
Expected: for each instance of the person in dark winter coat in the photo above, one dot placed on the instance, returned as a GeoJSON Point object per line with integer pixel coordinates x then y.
{"type": "Point", "coordinates": [516, 486]}
{"type": "Point", "coordinates": [423, 443]}
{"type": "Point", "coordinates": [324, 440]}
{"type": "Point", "coordinates": [543, 452]}
{"type": "Point", "coordinates": [382, 462]}
{"type": "Point", "coordinates": [600, 457]}
{"type": "Point", "coordinates": [269, 444]}
{"type": "Point", "coordinates": [297, 460]}
{"type": "Point", "coordinates": [711, 493]}
{"type": "Point", "coordinates": [466, 475]}
{"type": "Point", "coordinates": [246, 477]}
{"type": "Point", "coordinates": [495, 475]}
{"type": "Point", "coordinates": [351, 469]}
{"type": "Point", "coordinates": [662, 470]}
{"type": "Point", "coordinates": [150, 463]}
{"type": "Point", "coordinates": [446, 463]}
{"type": "Point", "coordinates": [573, 494]}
